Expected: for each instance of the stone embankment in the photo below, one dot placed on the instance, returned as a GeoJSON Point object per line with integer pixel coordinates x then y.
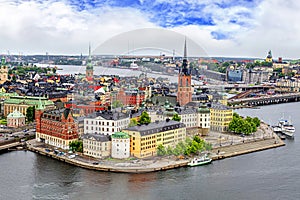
{"type": "Point", "coordinates": [159, 164]}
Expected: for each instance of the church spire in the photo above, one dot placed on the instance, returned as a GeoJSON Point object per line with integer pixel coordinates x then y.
{"type": "Point", "coordinates": [185, 69]}
{"type": "Point", "coordinates": [90, 55]}
{"type": "Point", "coordinates": [185, 51]}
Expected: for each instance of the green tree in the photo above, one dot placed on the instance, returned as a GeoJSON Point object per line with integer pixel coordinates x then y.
{"type": "Point", "coordinates": [256, 121]}
{"type": "Point", "coordinates": [133, 122]}
{"type": "Point", "coordinates": [161, 151]}
{"type": "Point", "coordinates": [176, 117]}
{"type": "Point", "coordinates": [30, 114]}
{"type": "Point", "coordinates": [117, 104]}
{"type": "Point", "coordinates": [76, 145]}
{"type": "Point", "coordinates": [144, 118]}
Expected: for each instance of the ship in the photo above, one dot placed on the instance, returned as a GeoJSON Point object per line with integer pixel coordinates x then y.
{"type": "Point", "coordinates": [204, 160]}
{"type": "Point", "coordinates": [134, 66]}
{"type": "Point", "coordinates": [287, 127]}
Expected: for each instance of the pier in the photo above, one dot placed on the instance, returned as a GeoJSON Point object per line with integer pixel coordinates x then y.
{"type": "Point", "coordinates": [265, 100]}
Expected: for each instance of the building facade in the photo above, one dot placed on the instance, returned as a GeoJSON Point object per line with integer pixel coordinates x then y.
{"type": "Point", "coordinates": [21, 103]}
{"type": "Point", "coordinates": [220, 117]}
{"type": "Point", "coordinates": [96, 145]}
{"type": "Point", "coordinates": [145, 139]}
{"type": "Point", "coordinates": [106, 123]}
{"type": "Point", "coordinates": [16, 119]}
{"type": "Point", "coordinates": [3, 71]}
{"type": "Point", "coordinates": [120, 143]}
{"type": "Point", "coordinates": [55, 127]}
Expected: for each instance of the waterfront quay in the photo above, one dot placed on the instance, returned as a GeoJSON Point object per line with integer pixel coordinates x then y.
{"type": "Point", "coordinates": [230, 145]}
{"type": "Point", "coordinates": [265, 100]}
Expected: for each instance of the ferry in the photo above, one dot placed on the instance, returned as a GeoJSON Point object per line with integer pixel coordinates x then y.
{"type": "Point", "coordinates": [134, 66]}
{"type": "Point", "coordinates": [287, 127]}
{"type": "Point", "coordinates": [200, 161]}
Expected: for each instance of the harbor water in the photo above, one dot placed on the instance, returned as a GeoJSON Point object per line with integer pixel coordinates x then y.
{"type": "Point", "coordinates": [270, 174]}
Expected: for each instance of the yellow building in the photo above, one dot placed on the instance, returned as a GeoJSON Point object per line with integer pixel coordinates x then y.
{"type": "Point", "coordinates": [220, 117]}
{"type": "Point", "coordinates": [21, 103]}
{"type": "Point", "coordinates": [269, 57]}
{"type": "Point", "coordinates": [145, 139]}
{"type": "Point", "coordinates": [3, 71]}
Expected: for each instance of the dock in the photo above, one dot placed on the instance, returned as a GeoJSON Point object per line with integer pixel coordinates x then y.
{"type": "Point", "coordinates": [245, 148]}
{"type": "Point", "coordinates": [164, 163]}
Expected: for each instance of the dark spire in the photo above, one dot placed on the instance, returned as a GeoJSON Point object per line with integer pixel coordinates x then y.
{"type": "Point", "coordinates": [185, 69]}
{"type": "Point", "coordinates": [185, 51]}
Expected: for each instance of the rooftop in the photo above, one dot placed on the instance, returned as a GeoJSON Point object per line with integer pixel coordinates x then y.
{"type": "Point", "coordinates": [156, 127]}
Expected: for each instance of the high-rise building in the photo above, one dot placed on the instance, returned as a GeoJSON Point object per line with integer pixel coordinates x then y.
{"type": "Point", "coordinates": [184, 93]}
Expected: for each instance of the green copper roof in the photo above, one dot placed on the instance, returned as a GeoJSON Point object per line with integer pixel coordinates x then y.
{"type": "Point", "coordinates": [28, 100]}
{"type": "Point", "coordinates": [120, 135]}
{"type": "Point", "coordinates": [40, 105]}
{"type": "Point", "coordinates": [15, 114]}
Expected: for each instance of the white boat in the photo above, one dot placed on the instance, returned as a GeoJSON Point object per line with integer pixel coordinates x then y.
{"type": "Point", "coordinates": [200, 161]}
{"type": "Point", "coordinates": [287, 127]}
{"type": "Point", "coordinates": [134, 66]}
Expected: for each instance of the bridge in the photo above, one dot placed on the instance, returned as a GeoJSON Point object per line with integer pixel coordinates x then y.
{"type": "Point", "coordinates": [266, 100]}
{"type": "Point", "coordinates": [10, 145]}
{"type": "Point", "coordinates": [238, 87]}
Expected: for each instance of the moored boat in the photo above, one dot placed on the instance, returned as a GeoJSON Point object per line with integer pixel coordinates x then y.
{"type": "Point", "coordinates": [200, 161]}
{"type": "Point", "coordinates": [287, 127]}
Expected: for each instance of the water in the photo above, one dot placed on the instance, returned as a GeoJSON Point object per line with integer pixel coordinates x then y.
{"type": "Point", "coordinates": [271, 174]}
{"type": "Point", "coordinates": [99, 70]}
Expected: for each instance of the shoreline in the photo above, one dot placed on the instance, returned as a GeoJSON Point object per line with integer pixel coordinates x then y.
{"type": "Point", "coordinates": [162, 163]}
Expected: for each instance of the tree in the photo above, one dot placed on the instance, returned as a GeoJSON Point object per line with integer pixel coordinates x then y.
{"type": "Point", "coordinates": [30, 114]}
{"type": "Point", "coordinates": [144, 119]}
{"type": "Point", "coordinates": [256, 121]}
{"type": "Point", "coordinates": [76, 145]}
{"type": "Point", "coordinates": [133, 122]}
{"type": "Point", "coordinates": [161, 151]}
{"type": "Point", "coordinates": [176, 117]}
{"type": "Point", "coordinates": [117, 104]}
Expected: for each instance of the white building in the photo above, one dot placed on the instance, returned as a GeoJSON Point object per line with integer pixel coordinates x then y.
{"type": "Point", "coordinates": [106, 123]}
{"type": "Point", "coordinates": [95, 145]}
{"type": "Point", "coordinates": [15, 119]}
{"type": "Point", "coordinates": [120, 145]}
{"type": "Point", "coordinates": [192, 117]}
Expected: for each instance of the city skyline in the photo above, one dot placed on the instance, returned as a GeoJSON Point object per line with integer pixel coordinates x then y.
{"type": "Point", "coordinates": [228, 28]}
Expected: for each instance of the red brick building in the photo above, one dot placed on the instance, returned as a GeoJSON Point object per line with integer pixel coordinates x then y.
{"type": "Point", "coordinates": [56, 127]}
{"type": "Point", "coordinates": [131, 97]}
{"type": "Point", "coordinates": [184, 93]}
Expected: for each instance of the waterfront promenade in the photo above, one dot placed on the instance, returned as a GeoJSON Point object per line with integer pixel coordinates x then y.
{"type": "Point", "coordinates": [224, 146]}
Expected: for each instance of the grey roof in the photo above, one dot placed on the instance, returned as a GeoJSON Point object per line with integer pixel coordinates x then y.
{"type": "Point", "coordinates": [219, 106]}
{"type": "Point", "coordinates": [186, 110]}
{"type": "Point", "coordinates": [97, 137]}
{"type": "Point", "coordinates": [58, 112]}
{"type": "Point", "coordinates": [156, 127]}
{"type": "Point", "coordinates": [108, 115]}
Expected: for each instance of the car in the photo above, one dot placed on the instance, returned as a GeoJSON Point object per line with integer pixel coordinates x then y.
{"type": "Point", "coordinates": [26, 134]}
{"type": "Point", "coordinates": [95, 163]}
{"type": "Point", "coordinates": [71, 156]}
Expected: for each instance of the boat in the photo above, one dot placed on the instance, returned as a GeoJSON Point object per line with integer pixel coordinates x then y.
{"type": "Point", "coordinates": [200, 161]}
{"type": "Point", "coordinates": [277, 129]}
{"type": "Point", "coordinates": [134, 66]}
{"type": "Point", "coordinates": [287, 127]}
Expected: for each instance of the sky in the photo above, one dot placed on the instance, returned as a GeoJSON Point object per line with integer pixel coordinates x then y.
{"type": "Point", "coordinates": [229, 28]}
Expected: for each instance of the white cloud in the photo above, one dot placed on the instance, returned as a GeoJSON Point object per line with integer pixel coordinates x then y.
{"type": "Point", "coordinates": [58, 28]}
